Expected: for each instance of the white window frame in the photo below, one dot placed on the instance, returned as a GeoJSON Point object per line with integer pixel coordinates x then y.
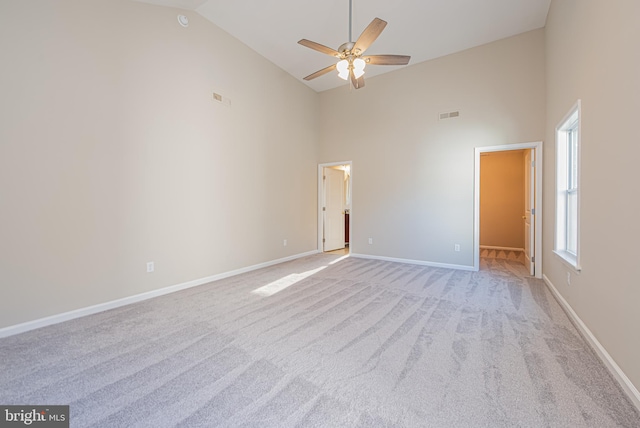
{"type": "Point", "coordinates": [568, 149]}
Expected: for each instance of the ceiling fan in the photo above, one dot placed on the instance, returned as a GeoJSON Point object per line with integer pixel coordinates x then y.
{"type": "Point", "coordinates": [352, 63]}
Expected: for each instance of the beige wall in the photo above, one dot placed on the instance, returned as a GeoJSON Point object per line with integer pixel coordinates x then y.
{"type": "Point", "coordinates": [502, 199]}
{"type": "Point", "coordinates": [413, 175]}
{"type": "Point", "coordinates": [112, 154]}
{"type": "Point", "coordinates": [592, 55]}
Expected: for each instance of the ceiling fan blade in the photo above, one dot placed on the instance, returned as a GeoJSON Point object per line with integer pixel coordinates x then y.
{"type": "Point", "coordinates": [387, 59]}
{"type": "Point", "coordinates": [369, 35]}
{"type": "Point", "coordinates": [320, 48]}
{"type": "Point", "coordinates": [357, 83]}
{"type": "Point", "coordinates": [320, 72]}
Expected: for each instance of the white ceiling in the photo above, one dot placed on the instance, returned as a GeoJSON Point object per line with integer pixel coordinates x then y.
{"type": "Point", "coordinates": [424, 29]}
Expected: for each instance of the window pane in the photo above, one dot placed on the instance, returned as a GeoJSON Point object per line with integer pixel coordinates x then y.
{"type": "Point", "coordinates": [573, 158]}
{"type": "Point", "coordinates": [572, 223]}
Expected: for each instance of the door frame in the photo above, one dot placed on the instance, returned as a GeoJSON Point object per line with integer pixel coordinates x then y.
{"type": "Point", "coordinates": [537, 145]}
{"type": "Point", "coordinates": [321, 166]}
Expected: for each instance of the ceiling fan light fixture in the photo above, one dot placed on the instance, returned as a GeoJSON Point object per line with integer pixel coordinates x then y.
{"type": "Point", "coordinates": [343, 69]}
{"type": "Point", "coordinates": [351, 66]}
{"type": "Point", "coordinates": [358, 67]}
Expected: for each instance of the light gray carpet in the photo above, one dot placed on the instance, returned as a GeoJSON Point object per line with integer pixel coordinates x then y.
{"type": "Point", "coordinates": [348, 343]}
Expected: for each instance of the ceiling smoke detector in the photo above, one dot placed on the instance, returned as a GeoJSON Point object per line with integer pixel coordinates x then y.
{"type": "Point", "coordinates": [183, 20]}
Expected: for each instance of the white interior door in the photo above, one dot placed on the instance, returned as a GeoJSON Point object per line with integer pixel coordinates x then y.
{"type": "Point", "coordinates": [333, 209]}
{"type": "Point", "coordinates": [529, 210]}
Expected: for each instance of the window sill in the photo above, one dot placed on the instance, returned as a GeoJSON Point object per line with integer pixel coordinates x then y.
{"type": "Point", "coordinates": [569, 259]}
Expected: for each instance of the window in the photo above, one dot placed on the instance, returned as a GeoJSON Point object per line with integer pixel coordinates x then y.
{"type": "Point", "coordinates": [567, 244]}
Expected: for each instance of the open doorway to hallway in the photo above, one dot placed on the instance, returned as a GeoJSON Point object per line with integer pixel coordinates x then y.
{"type": "Point", "coordinates": [334, 207]}
{"type": "Point", "coordinates": [507, 200]}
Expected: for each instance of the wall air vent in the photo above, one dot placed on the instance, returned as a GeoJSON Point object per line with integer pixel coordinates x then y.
{"type": "Point", "coordinates": [449, 115]}
{"type": "Point", "coordinates": [221, 99]}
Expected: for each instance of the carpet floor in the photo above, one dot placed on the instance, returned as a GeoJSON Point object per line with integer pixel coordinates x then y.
{"type": "Point", "coordinates": [325, 341]}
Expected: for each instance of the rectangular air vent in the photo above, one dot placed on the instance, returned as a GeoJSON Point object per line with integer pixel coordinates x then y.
{"type": "Point", "coordinates": [449, 115]}
{"type": "Point", "coordinates": [221, 99]}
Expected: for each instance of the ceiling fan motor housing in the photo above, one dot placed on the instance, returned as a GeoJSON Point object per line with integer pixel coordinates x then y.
{"type": "Point", "coordinates": [345, 48]}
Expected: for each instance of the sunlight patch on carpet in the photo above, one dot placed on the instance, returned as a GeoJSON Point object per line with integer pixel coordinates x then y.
{"type": "Point", "coordinates": [284, 282]}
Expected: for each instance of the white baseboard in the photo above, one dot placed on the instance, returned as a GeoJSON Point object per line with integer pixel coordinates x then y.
{"type": "Point", "coordinates": [414, 262]}
{"type": "Point", "coordinates": [66, 316]}
{"type": "Point", "coordinates": [625, 383]}
{"type": "Point", "coordinates": [491, 247]}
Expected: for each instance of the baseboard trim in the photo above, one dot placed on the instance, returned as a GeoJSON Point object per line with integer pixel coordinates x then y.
{"type": "Point", "coordinates": [625, 383]}
{"type": "Point", "coordinates": [491, 247]}
{"type": "Point", "coordinates": [414, 262]}
{"type": "Point", "coordinates": [101, 307]}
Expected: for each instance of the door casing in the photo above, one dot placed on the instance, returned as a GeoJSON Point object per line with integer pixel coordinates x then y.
{"type": "Point", "coordinates": [321, 199]}
{"type": "Point", "coordinates": [537, 218]}
{"type": "Point", "coordinates": [529, 203]}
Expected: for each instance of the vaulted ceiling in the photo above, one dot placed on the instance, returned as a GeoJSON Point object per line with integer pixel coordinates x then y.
{"type": "Point", "coordinates": [423, 29]}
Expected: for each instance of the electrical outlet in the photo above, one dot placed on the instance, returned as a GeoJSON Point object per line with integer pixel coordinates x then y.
{"type": "Point", "coordinates": [568, 278]}
{"type": "Point", "coordinates": [456, 247]}
{"type": "Point", "coordinates": [150, 267]}
{"type": "Point", "coordinates": [284, 243]}
{"type": "Point", "coordinates": [370, 241]}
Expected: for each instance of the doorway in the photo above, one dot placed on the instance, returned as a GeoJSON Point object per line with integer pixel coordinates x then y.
{"type": "Point", "coordinates": [334, 207]}
{"type": "Point", "coordinates": [528, 218]}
